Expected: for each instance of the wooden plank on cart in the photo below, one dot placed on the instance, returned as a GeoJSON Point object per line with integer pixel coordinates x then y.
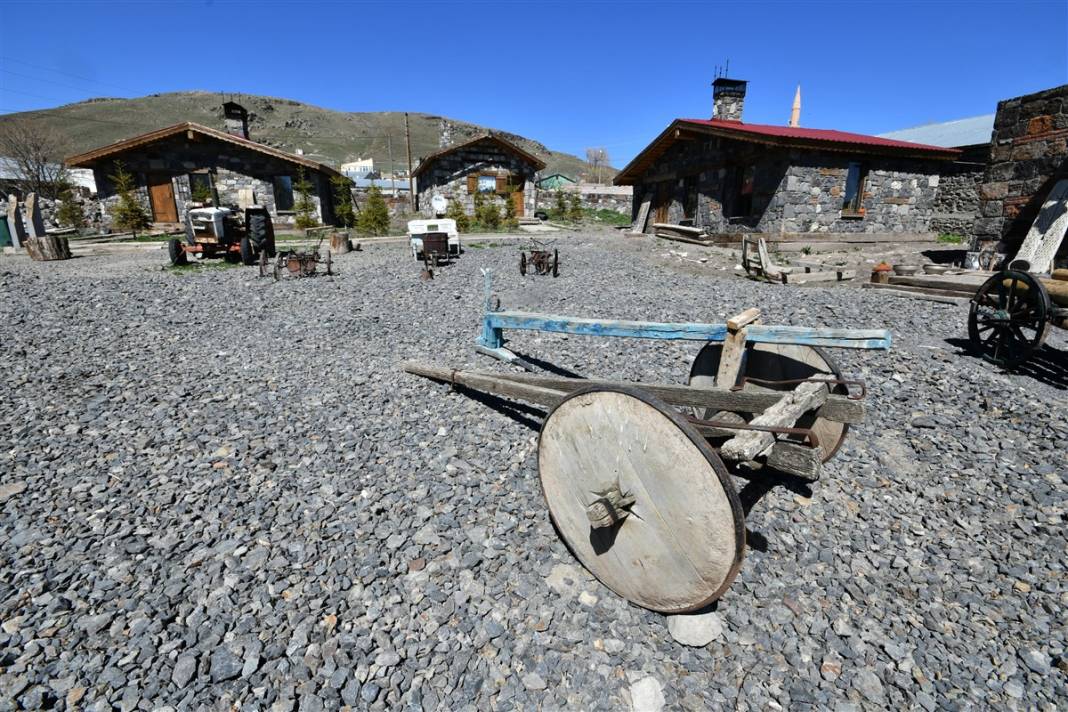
{"type": "Point", "coordinates": [1046, 233]}
{"type": "Point", "coordinates": [682, 541]}
{"type": "Point", "coordinates": [751, 443]}
{"type": "Point", "coordinates": [730, 362]}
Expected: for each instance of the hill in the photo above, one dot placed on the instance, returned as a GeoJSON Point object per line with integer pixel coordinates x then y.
{"type": "Point", "coordinates": [325, 135]}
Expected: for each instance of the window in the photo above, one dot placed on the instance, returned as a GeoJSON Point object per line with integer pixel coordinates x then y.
{"type": "Point", "coordinates": [498, 183]}
{"type": "Point", "coordinates": [853, 199]}
{"type": "Point", "coordinates": [200, 190]}
{"type": "Point", "coordinates": [283, 193]}
{"type": "Point", "coordinates": [741, 204]}
{"type": "Point", "coordinates": [487, 184]}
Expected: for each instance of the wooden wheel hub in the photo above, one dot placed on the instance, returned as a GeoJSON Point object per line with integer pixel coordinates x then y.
{"type": "Point", "coordinates": [641, 498]}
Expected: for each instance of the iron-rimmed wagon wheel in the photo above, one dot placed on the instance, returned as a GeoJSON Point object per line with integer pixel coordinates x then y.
{"type": "Point", "coordinates": [641, 498]}
{"type": "Point", "coordinates": [556, 263]}
{"type": "Point", "coordinates": [523, 263]}
{"type": "Point", "coordinates": [780, 362]}
{"type": "Point", "coordinates": [1008, 319]}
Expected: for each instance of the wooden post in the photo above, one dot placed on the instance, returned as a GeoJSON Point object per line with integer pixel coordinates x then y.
{"type": "Point", "coordinates": [411, 178]}
{"type": "Point", "coordinates": [733, 353]}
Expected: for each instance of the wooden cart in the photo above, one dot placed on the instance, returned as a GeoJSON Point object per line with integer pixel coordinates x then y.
{"type": "Point", "coordinates": [634, 474]}
{"type": "Point", "coordinates": [1011, 313]}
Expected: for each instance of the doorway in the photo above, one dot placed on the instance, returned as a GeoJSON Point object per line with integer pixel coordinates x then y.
{"type": "Point", "coordinates": [161, 196]}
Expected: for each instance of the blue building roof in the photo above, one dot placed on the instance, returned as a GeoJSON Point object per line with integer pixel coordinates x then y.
{"type": "Point", "coordinates": [948, 134]}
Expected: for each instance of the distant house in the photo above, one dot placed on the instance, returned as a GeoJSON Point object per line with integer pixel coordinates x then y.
{"type": "Point", "coordinates": [556, 181]}
{"type": "Point", "coordinates": [726, 176]}
{"type": "Point", "coordinates": [487, 165]}
{"type": "Point", "coordinates": [358, 168]}
{"type": "Point", "coordinates": [171, 164]}
{"type": "Point", "coordinates": [957, 203]}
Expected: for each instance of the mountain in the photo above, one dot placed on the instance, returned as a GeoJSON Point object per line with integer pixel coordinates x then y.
{"type": "Point", "coordinates": [325, 135]}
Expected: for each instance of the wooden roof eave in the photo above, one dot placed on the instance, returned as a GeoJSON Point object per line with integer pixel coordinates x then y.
{"type": "Point", "coordinates": [675, 132]}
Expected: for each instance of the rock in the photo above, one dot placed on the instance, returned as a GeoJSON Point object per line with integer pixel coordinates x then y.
{"type": "Point", "coordinates": [924, 421]}
{"type": "Point", "coordinates": [1036, 661]}
{"type": "Point", "coordinates": [587, 599]}
{"type": "Point", "coordinates": [697, 630]}
{"type": "Point", "coordinates": [1014, 689]}
{"type": "Point", "coordinates": [534, 681]}
{"type": "Point", "coordinates": [225, 665]}
{"type": "Point", "coordinates": [185, 667]}
{"type": "Point", "coordinates": [646, 695]}
{"type": "Point", "coordinates": [9, 490]}
{"type": "Point", "coordinates": [868, 684]}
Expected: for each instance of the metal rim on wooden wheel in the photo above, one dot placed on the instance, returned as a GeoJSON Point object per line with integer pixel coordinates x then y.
{"type": "Point", "coordinates": [1008, 319]}
{"type": "Point", "coordinates": [523, 263]}
{"type": "Point", "coordinates": [780, 362]}
{"type": "Point", "coordinates": [676, 540]}
{"type": "Point", "coordinates": [556, 263]}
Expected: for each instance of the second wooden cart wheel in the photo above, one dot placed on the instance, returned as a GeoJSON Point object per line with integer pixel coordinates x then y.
{"type": "Point", "coordinates": [1009, 318]}
{"type": "Point", "coordinates": [780, 362]}
{"type": "Point", "coordinates": [641, 498]}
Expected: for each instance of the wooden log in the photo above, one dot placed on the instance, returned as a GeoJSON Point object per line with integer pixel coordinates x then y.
{"type": "Point", "coordinates": [48, 248]}
{"type": "Point", "coordinates": [683, 229]}
{"type": "Point", "coordinates": [835, 276]}
{"type": "Point", "coordinates": [748, 444]}
{"type": "Point", "coordinates": [839, 409]}
{"type": "Point", "coordinates": [749, 316]}
{"type": "Point", "coordinates": [934, 295]}
{"type": "Point", "coordinates": [340, 243]}
{"type": "Point", "coordinates": [798, 460]}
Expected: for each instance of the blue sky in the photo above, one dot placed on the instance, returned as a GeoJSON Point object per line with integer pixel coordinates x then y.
{"type": "Point", "coordinates": [569, 74]}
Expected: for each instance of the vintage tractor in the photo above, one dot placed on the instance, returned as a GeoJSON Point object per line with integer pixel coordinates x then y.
{"type": "Point", "coordinates": [224, 232]}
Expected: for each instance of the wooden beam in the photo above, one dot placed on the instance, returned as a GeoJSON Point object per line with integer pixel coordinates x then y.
{"type": "Point", "coordinates": [748, 444]}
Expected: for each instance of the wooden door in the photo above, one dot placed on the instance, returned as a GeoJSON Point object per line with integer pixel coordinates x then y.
{"type": "Point", "coordinates": [161, 195]}
{"type": "Point", "coordinates": [517, 201]}
{"type": "Point", "coordinates": [663, 201]}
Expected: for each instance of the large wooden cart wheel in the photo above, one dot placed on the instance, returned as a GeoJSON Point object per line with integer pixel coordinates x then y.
{"type": "Point", "coordinates": [1009, 318]}
{"type": "Point", "coordinates": [779, 362]}
{"type": "Point", "coordinates": [641, 498]}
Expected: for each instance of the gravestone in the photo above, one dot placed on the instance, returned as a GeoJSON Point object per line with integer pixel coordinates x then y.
{"type": "Point", "coordinates": [14, 221]}
{"type": "Point", "coordinates": [33, 213]}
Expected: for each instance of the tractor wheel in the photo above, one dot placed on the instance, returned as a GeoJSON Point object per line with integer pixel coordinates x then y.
{"type": "Point", "coordinates": [257, 229]}
{"type": "Point", "coordinates": [176, 252]}
{"type": "Point", "coordinates": [248, 252]}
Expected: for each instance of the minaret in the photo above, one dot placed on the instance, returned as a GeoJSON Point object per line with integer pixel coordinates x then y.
{"type": "Point", "coordinates": [795, 112]}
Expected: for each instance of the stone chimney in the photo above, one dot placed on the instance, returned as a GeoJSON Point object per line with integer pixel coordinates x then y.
{"type": "Point", "coordinates": [728, 99]}
{"type": "Point", "coordinates": [446, 134]}
{"type": "Point", "coordinates": [236, 119]}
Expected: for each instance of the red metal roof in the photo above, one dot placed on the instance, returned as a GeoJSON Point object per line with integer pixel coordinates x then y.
{"type": "Point", "coordinates": [804, 134]}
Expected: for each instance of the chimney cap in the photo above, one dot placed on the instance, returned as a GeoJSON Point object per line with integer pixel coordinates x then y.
{"type": "Point", "coordinates": [727, 87]}
{"type": "Point", "coordinates": [233, 109]}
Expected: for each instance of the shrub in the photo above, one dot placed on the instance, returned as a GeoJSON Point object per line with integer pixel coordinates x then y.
{"type": "Point", "coordinates": [510, 220]}
{"type": "Point", "coordinates": [344, 213]}
{"type": "Point", "coordinates": [374, 217]}
{"type": "Point", "coordinates": [574, 212]}
{"type": "Point", "coordinates": [559, 210]}
{"type": "Point", "coordinates": [304, 207]}
{"type": "Point", "coordinates": [950, 238]}
{"type": "Point", "coordinates": [69, 213]}
{"type": "Point", "coordinates": [200, 194]}
{"type": "Point", "coordinates": [456, 212]}
{"type": "Point", "coordinates": [128, 213]}
{"type": "Point", "coordinates": [486, 213]}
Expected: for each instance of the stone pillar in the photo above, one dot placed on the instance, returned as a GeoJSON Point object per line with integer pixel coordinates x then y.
{"type": "Point", "coordinates": [14, 221]}
{"type": "Point", "coordinates": [33, 213]}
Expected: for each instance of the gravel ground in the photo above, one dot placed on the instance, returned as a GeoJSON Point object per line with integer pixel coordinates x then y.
{"type": "Point", "coordinates": [220, 492]}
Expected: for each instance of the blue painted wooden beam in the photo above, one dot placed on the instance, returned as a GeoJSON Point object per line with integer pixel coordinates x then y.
{"type": "Point", "coordinates": [496, 321]}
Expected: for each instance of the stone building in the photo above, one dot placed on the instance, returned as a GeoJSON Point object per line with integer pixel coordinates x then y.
{"type": "Point", "coordinates": [957, 203]}
{"type": "Point", "coordinates": [726, 176]}
{"type": "Point", "coordinates": [488, 165]}
{"type": "Point", "coordinates": [1028, 154]}
{"type": "Point", "coordinates": [172, 164]}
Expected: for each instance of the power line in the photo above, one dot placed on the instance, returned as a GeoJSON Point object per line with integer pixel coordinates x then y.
{"type": "Point", "coordinates": [68, 74]}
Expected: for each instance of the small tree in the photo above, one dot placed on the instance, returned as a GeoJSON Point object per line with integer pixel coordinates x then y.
{"type": "Point", "coordinates": [69, 213]}
{"type": "Point", "coordinates": [344, 212]}
{"type": "Point", "coordinates": [456, 212]}
{"type": "Point", "coordinates": [510, 219]}
{"type": "Point", "coordinates": [560, 207]}
{"type": "Point", "coordinates": [35, 156]}
{"type": "Point", "coordinates": [374, 217]}
{"type": "Point", "coordinates": [200, 193]}
{"type": "Point", "coordinates": [128, 213]}
{"type": "Point", "coordinates": [575, 211]}
{"type": "Point", "coordinates": [304, 206]}
{"type": "Point", "coordinates": [486, 213]}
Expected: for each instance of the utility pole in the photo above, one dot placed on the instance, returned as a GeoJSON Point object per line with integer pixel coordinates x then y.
{"type": "Point", "coordinates": [411, 179]}
{"type": "Point", "coordinates": [392, 172]}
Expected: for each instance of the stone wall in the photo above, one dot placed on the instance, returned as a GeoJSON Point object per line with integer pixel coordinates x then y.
{"type": "Point", "coordinates": [617, 198]}
{"type": "Point", "coordinates": [447, 176]}
{"type": "Point", "coordinates": [1029, 153]}
{"type": "Point", "coordinates": [957, 203]}
{"type": "Point", "coordinates": [231, 167]}
{"type": "Point", "coordinates": [794, 191]}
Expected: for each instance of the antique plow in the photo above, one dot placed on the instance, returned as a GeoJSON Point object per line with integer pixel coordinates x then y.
{"type": "Point", "coordinates": [297, 263]}
{"type": "Point", "coordinates": [540, 258]}
{"type": "Point", "coordinates": [634, 474]}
